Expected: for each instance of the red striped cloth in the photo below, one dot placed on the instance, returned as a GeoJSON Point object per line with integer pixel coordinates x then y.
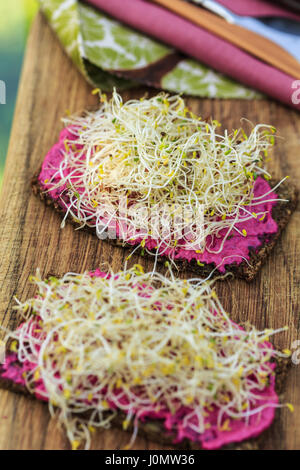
{"type": "Point", "coordinates": [203, 46]}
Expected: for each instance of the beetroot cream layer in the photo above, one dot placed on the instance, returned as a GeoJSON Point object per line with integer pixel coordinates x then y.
{"type": "Point", "coordinates": [235, 249]}
{"type": "Point", "coordinates": [179, 424]}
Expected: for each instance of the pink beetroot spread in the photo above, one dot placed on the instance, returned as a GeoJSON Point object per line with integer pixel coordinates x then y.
{"type": "Point", "coordinates": [177, 424]}
{"type": "Point", "coordinates": [236, 247]}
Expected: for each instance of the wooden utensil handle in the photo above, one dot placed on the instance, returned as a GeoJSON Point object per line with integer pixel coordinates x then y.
{"type": "Point", "coordinates": [249, 41]}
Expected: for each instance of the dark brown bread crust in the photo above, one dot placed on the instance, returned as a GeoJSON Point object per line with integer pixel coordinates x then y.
{"type": "Point", "coordinates": [155, 431]}
{"type": "Point", "coordinates": [281, 213]}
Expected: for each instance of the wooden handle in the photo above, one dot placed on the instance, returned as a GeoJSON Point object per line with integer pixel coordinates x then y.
{"type": "Point", "coordinates": [249, 41]}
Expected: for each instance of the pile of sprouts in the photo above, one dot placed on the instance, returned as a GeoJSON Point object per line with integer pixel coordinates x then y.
{"type": "Point", "coordinates": [139, 343]}
{"type": "Point", "coordinates": [153, 154]}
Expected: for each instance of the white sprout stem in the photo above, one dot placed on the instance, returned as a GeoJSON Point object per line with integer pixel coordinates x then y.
{"type": "Point", "coordinates": [154, 152]}
{"type": "Point", "coordinates": [140, 341]}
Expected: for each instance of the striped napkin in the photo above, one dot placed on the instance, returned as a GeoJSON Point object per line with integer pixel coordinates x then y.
{"type": "Point", "coordinates": [109, 54]}
{"type": "Point", "coordinates": [124, 42]}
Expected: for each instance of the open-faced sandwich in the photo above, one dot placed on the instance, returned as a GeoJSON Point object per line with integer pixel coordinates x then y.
{"type": "Point", "coordinates": [157, 355]}
{"type": "Point", "coordinates": [151, 175]}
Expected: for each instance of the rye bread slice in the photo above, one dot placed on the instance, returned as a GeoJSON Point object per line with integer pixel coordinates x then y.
{"type": "Point", "coordinates": [281, 213]}
{"type": "Point", "coordinates": [154, 429]}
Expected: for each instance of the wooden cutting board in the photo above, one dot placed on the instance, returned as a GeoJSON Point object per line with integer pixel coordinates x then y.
{"type": "Point", "coordinates": [30, 236]}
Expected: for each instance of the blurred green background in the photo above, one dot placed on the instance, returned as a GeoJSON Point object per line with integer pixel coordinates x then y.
{"type": "Point", "coordinates": [16, 16]}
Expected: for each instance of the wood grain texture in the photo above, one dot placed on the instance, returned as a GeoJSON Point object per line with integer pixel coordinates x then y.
{"type": "Point", "coordinates": [31, 237]}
